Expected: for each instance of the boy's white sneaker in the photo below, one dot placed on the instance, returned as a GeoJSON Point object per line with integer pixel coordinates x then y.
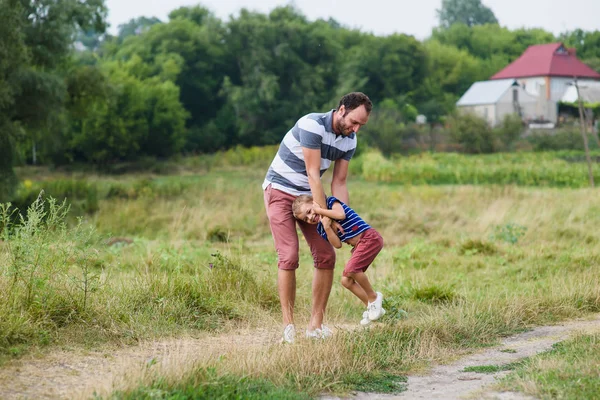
{"type": "Point", "coordinates": [375, 308]}
{"type": "Point", "coordinates": [289, 334]}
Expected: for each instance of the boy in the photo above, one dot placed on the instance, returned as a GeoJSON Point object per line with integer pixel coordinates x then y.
{"type": "Point", "coordinates": [366, 243]}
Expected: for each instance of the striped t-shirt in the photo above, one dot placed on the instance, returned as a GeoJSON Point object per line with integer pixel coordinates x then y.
{"type": "Point", "coordinates": [314, 131]}
{"type": "Point", "coordinates": [352, 225]}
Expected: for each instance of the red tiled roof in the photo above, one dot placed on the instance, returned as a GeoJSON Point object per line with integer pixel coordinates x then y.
{"type": "Point", "coordinates": [547, 60]}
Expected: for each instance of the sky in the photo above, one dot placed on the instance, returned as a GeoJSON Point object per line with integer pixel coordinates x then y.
{"type": "Point", "coordinates": [382, 17]}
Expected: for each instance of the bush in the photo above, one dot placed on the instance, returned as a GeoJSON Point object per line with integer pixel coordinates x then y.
{"type": "Point", "coordinates": [81, 195]}
{"type": "Point", "coordinates": [472, 133]}
{"type": "Point", "coordinates": [564, 139]}
{"type": "Point", "coordinates": [510, 130]}
{"type": "Point", "coordinates": [49, 273]}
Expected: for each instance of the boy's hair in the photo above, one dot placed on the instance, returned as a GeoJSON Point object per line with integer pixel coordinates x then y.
{"type": "Point", "coordinates": [299, 201]}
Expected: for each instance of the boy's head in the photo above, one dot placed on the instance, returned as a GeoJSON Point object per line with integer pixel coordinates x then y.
{"type": "Point", "coordinates": [303, 209]}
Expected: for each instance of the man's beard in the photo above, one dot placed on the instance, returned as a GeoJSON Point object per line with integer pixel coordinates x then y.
{"type": "Point", "coordinates": [342, 128]}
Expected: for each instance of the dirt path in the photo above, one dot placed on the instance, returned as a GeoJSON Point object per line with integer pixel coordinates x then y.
{"type": "Point", "coordinates": [78, 374]}
{"type": "Point", "coordinates": [448, 382]}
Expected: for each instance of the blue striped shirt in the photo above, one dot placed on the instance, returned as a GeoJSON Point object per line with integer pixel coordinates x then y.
{"type": "Point", "coordinates": [353, 225]}
{"type": "Point", "coordinates": [313, 131]}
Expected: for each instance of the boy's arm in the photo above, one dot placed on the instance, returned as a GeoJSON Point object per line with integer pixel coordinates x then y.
{"type": "Point", "coordinates": [332, 237]}
{"type": "Point", "coordinates": [336, 212]}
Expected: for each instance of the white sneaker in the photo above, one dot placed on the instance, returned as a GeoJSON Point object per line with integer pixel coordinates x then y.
{"type": "Point", "coordinates": [323, 333]}
{"type": "Point", "coordinates": [365, 319]}
{"type": "Point", "coordinates": [326, 332]}
{"type": "Point", "coordinates": [375, 308]}
{"type": "Point", "coordinates": [289, 334]}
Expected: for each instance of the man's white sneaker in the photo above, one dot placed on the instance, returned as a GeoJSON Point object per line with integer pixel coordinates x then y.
{"type": "Point", "coordinates": [375, 308]}
{"type": "Point", "coordinates": [289, 334]}
{"type": "Point", "coordinates": [314, 334]}
{"type": "Point", "coordinates": [320, 333]}
{"type": "Point", "coordinates": [326, 332]}
{"type": "Point", "coordinates": [365, 319]}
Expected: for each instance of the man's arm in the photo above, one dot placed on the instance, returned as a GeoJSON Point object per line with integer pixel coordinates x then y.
{"type": "Point", "coordinates": [337, 212]}
{"type": "Point", "coordinates": [338, 182]}
{"type": "Point", "coordinates": [312, 160]}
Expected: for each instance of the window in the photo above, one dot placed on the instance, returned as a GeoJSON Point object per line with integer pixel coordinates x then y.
{"type": "Point", "coordinates": [515, 95]}
{"type": "Point", "coordinates": [562, 51]}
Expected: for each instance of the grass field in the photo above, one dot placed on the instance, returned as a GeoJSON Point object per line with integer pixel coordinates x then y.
{"type": "Point", "coordinates": [190, 250]}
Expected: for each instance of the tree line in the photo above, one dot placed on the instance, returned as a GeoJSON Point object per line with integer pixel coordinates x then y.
{"type": "Point", "coordinates": [70, 93]}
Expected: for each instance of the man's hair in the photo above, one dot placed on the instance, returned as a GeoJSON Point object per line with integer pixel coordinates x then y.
{"type": "Point", "coordinates": [354, 100]}
{"type": "Point", "coordinates": [299, 201]}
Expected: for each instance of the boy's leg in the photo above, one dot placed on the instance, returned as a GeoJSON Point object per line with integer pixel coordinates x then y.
{"type": "Point", "coordinates": [361, 279]}
{"type": "Point", "coordinates": [363, 255]}
{"type": "Point", "coordinates": [283, 227]}
{"type": "Point", "coordinates": [324, 262]}
{"type": "Point", "coordinates": [350, 284]}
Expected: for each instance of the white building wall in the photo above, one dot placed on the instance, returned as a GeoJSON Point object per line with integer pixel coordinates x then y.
{"type": "Point", "coordinates": [527, 103]}
{"type": "Point", "coordinates": [485, 111]}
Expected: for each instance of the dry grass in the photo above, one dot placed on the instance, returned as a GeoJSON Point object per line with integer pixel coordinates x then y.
{"type": "Point", "coordinates": [444, 262]}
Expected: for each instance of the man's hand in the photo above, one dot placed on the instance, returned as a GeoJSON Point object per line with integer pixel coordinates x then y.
{"type": "Point", "coordinates": [317, 209]}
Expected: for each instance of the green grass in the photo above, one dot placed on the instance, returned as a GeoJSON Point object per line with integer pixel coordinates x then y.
{"type": "Point", "coordinates": [206, 384]}
{"type": "Point", "coordinates": [171, 255]}
{"type": "Point", "coordinates": [492, 369]}
{"type": "Point", "coordinates": [568, 371]}
{"type": "Point", "coordinates": [550, 169]}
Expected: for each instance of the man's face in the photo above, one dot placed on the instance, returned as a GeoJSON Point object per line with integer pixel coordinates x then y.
{"type": "Point", "coordinates": [351, 121]}
{"type": "Point", "coordinates": [307, 214]}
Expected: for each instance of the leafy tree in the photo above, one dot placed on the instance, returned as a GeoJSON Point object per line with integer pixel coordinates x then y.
{"type": "Point", "coordinates": [587, 44]}
{"type": "Point", "coordinates": [285, 67]}
{"type": "Point", "coordinates": [136, 26]}
{"type": "Point", "coordinates": [468, 12]}
{"type": "Point", "coordinates": [450, 72]}
{"type": "Point", "coordinates": [35, 41]}
{"type": "Point", "coordinates": [491, 41]}
{"type": "Point", "coordinates": [189, 51]}
{"type": "Point", "coordinates": [392, 66]}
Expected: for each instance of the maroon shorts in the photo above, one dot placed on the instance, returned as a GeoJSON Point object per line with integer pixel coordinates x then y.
{"type": "Point", "coordinates": [283, 228]}
{"type": "Point", "coordinates": [365, 251]}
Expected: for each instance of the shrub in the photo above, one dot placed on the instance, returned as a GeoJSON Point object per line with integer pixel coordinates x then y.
{"type": "Point", "coordinates": [472, 133]}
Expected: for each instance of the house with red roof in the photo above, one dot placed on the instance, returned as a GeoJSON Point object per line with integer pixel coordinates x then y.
{"type": "Point", "coordinates": [531, 86]}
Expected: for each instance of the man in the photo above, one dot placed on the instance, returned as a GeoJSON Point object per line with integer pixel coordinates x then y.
{"type": "Point", "coordinates": [305, 153]}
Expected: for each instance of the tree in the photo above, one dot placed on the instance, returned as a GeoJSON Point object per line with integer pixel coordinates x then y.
{"type": "Point", "coordinates": [136, 26]}
{"type": "Point", "coordinates": [587, 44]}
{"type": "Point", "coordinates": [284, 67]}
{"type": "Point", "coordinates": [35, 40]}
{"type": "Point", "coordinates": [468, 12]}
{"type": "Point", "coordinates": [449, 74]}
{"type": "Point", "coordinates": [189, 50]}
{"type": "Point", "coordinates": [13, 56]}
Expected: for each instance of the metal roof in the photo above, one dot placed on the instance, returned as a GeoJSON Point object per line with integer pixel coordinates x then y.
{"type": "Point", "coordinates": [485, 92]}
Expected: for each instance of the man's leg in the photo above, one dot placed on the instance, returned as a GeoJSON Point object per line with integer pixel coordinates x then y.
{"type": "Point", "coordinates": [324, 259]}
{"type": "Point", "coordinates": [321, 288]}
{"type": "Point", "coordinates": [286, 283]}
{"type": "Point", "coordinates": [283, 228]}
